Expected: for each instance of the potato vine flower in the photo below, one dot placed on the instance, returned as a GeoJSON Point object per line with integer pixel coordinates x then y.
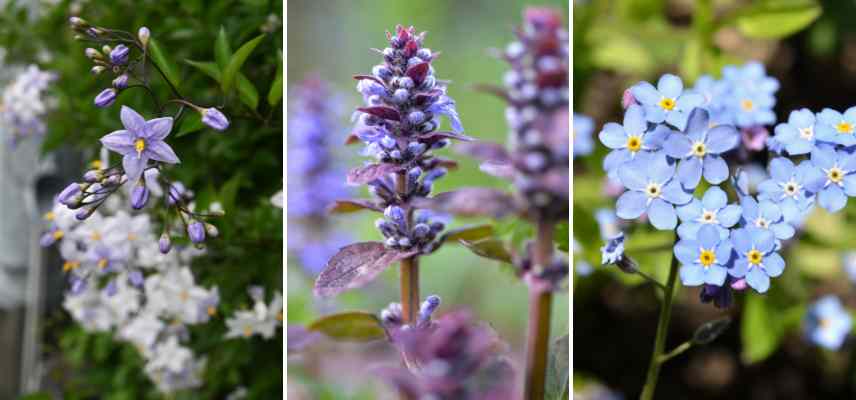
{"type": "Point", "coordinates": [652, 188]}
{"type": "Point", "coordinates": [668, 102]}
{"type": "Point", "coordinates": [140, 142]}
{"type": "Point", "coordinates": [757, 259]}
{"type": "Point", "coordinates": [711, 210]}
{"type": "Point", "coordinates": [828, 323]}
{"type": "Point", "coordinates": [700, 150]}
{"type": "Point", "coordinates": [799, 134]}
{"type": "Point", "coordinates": [704, 260]}
{"type": "Point", "coordinates": [833, 177]}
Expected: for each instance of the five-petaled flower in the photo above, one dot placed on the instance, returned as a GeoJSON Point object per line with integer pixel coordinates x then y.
{"type": "Point", "coordinates": [699, 150]}
{"type": "Point", "coordinates": [828, 323]}
{"type": "Point", "coordinates": [630, 139]}
{"type": "Point", "coordinates": [787, 186]}
{"type": "Point", "coordinates": [667, 102]}
{"type": "Point", "coordinates": [712, 210]}
{"type": "Point", "coordinates": [798, 135]}
{"type": "Point", "coordinates": [652, 188]}
{"type": "Point", "coordinates": [757, 261]}
{"type": "Point", "coordinates": [835, 127]}
{"type": "Point", "coordinates": [704, 260]}
{"type": "Point", "coordinates": [833, 179]}
{"type": "Point", "coordinates": [140, 142]}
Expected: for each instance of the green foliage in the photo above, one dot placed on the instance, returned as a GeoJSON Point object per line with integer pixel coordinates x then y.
{"type": "Point", "coordinates": [776, 19]}
{"type": "Point", "coordinates": [350, 326]}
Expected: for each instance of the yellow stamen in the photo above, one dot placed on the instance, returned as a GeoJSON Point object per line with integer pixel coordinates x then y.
{"type": "Point", "coordinates": [97, 164]}
{"type": "Point", "coordinates": [634, 143]}
{"type": "Point", "coordinates": [184, 295]}
{"type": "Point", "coordinates": [755, 257]}
{"type": "Point", "coordinates": [49, 216]}
{"type": "Point", "coordinates": [844, 128]}
{"type": "Point", "coordinates": [248, 331]}
{"type": "Point", "coordinates": [132, 236]}
{"type": "Point", "coordinates": [102, 263]}
{"type": "Point", "coordinates": [70, 265]}
{"type": "Point", "coordinates": [835, 174]}
{"type": "Point", "coordinates": [95, 236]}
{"type": "Point", "coordinates": [667, 103]}
{"type": "Point", "coordinates": [212, 311]}
{"type": "Point", "coordinates": [140, 145]}
{"type": "Point", "coordinates": [706, 258]}
{"type": "Point", "coordinates": [58, 234]}
{"type": "Point", "coordinates": [747, 105]}
{"type": "Point", "coordinates": [699, 149]}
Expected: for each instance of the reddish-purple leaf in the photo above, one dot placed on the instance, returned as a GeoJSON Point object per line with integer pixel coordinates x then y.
{"type": "Point", "coordinates": [382, 112]}
{"type": "Point", "coordinates": [369, 77]}
{"type": "Point", "coordinates": [368, 173]}
{"type": "Point", "coordinates": [446, 163]}
{"type": "Point", "coordinates": [445, 134]}
{"type": "Point", "coordinates": [418, 72]}
{"type": "Point", "coordinates": [299, 338]}
{"type": "Point", "coordinates": [352, 205]}
{"type": "Point", "coordinates": [485, 151]}
{"type": "Point", "coordinates": [356, 265]}
{"type": "Point", "coordinates": [473, 201]}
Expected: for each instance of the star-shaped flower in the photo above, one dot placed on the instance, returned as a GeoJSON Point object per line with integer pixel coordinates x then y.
{"type": "Point", "coordinates": [140, 142]}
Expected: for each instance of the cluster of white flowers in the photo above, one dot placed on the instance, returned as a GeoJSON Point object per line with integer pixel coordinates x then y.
{"type": "Point", "coordinates": [23, 103]}
{"type": "Point", "coordinates": [262, 320]}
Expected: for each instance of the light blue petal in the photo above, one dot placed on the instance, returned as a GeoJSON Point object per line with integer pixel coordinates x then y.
{"type": "Point", "coordinates": [723, 252]}
{"type": "Point", "coordinates": [645, 93]}
{"type": "Point", "coordinates": [832, 198]}
{"type": "Point", "coordinates": [689, 230]}
{"type": "Point", "coordinates": [697, 123]}
{"type": "Point", "coordinates": [690, 211]}
{"type": "Point", "coordinates": [655, 114]}
{"type": "Point", "coordinates": [613, 136]}
{"type": "Point", "coordinates": [763, 239]}
{"type": "Point", "coordinates": [708, 236]}
{"type": "Point", "coordinates": [677, 145]}
{"type": "Point", "coordinates": [781, 169]}
{"type": "Point", "coordinates": [689, 101]}
{"type": "Point", "coordinates": [674, 193]}
{"type": "Point", "coordinates": [715, 275]}
{"type": "Point", "coordinates": [721, 139]}
{"type": "Point", "coordinates": [715, 169]}
{"type": "Point", "coordinates": [677, 118]}
{"type": "Point", "coordinates": [634, 120]}
{"type": "Point", "coordinates": [686, 251]}
{"type": "Point", "coordinates": [631, 205]}
{"type": "Point", "coordinates": [783, 230]}
{"type": "Point", "coordinates": [850, 185]}
{"type": "Point", "coordinates": [769, 211]}
{"type": "Point", "coordinates": [689, 172]}
{"type": "Point", "coordinates": [662, 215]}
{"type": "Point", "coordinates": [615, 159]}
{"type": "Point", "coordinates": [670, 86]}
{"type": "Point", "coordinates": [692, 274]}
{"type": "Point", "coordinates": [632, 177]}
{"type": "Point", "coordinates": [823, 158]}
{"type": "Point", "coordinates": [774, 264]}
{"type": "Point", "coordinates": [714, 198]}
{"type": "Point", "coordinates": [741, 240]}
{"type": "Point", "coordinates": [758, 280]}
{"type": "Point", "coordinates": [740, 268]}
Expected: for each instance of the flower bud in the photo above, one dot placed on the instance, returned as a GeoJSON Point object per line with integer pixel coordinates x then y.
{"type": "Point", "coordinates": [211, 230]}
{"type": "Point", "coordinates": [405, 82]}
{"type": "Point", "coordinates": [78, 285]}
{"type": "Point", "coordinates": [97, 70]}
{"type": "Point", "coordinates": [164, 243]}
{"type": "Point", "coordinates": [416, 117]}
{"type": "Point", "coordinates": [215, 119]}
{"type": "Point", "coordinates": [391, 242]}
{"type": "Point", "coordinates": [421, 231]}
{"type": "Point", "coordinates": [93, 54]}
{"type": "Point", "coordinates": [395, 214]}
{"type": "Point", "coordinates": [78, 23]}
{"type": "Point", "coordinates": [143, 34]}
{"type": "Point", "coordinates": [424, 53]}
{"type": "Point", "coordinates": [121, 82]}
{"type": "Point", "coordinates": [401, 95]}
{"type": "Point", "coordinates": [196, 232]}
{"type": "Point", "coordinates": [105, 98]}
{"type": "Point", "coordinates": [139, 196]}
{"type": "Point", "coordinates": [84, 213]}
{"type": "Point", "coordinates": [427, 308]}
{"type": "Point", "coordinates": [415, 148]}
{"type": "Point", "coordinates": [382, 72]}
{"type": "Point", "coordinates": [404, 242]}
{"type": "Point", "coordinates": [135, 277]}
{"type": "Point", "coordinates": [66, 194]}
{"type": "Point", "coordinates": [119, 55]}
{"type": "Point", "coordinates": [387, 142]}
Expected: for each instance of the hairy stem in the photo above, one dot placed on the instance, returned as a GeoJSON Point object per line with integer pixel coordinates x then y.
{"type": "Point", "coordinates": [662, 331]}
{"type": "Point", "coordinates": [538, 327]}
{"type": "Point", "coordinates": [409, 266]}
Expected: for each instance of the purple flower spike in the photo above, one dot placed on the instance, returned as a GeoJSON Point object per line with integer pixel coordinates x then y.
{"type": "Point", "coordinates": [139, 196]}
{"type": "Point", "coordinates": [119, 55]}
{"type": "Point", "coordinates": [105, 98]}
{"type": "Point", "coordinates": [215, 119]}
{"type": "Point", "coordinates": [140, 141]}
{"type": "Point", "coordinates": [196, 232]}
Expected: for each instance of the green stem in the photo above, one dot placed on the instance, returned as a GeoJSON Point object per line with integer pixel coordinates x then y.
{"type": "Point", "coordinates": [651, 279]}
{"type": "Point", "coordinates": [676, 352]}
{"type": "Point", "coordinates": [662, 331]}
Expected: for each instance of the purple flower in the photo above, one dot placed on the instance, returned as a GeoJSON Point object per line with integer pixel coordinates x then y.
{"type": "Point", "coordinates": [121, 82]}
{"type": "Point", "coordinates": [196, 232]}
{"type": "Point", "coordinates": [164, 243]}
{"type": "Point", "coordinates": [135, 277]}
{"type": "Point", "coordinates": [140, 141]}
{"type": "Point", "coordinates": [119, 54]}
{"type": "Point", "coordinates": [143, 34]}
{"type": "Point", "coordinates": [215, 119]}
{"type": "Point", "coordinates": [68, 193]}
{"type": "Point", "coordinates": [105, 98]}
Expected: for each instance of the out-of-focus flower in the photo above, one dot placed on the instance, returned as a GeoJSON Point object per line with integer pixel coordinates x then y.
{"type": "Point", "coordinates": [668, 102]}
{"type": "Point", "coordinates": [828, 323]}
{"type": "Point", "coordinates": [582, 128]}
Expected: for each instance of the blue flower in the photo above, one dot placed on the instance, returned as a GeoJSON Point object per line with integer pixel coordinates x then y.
{"type": "Point", "coordinates": [703, 260]}
{"type": "Point", "coordinates": [652, 188]}
{"type": "Point", "coordinates": [711, 210]}
{"type": "Point", "coordinates": [582, 130]}
{"type": "Point", "coordinates": [798, 134]}
{"type": "Point", "coordinates": [849, 260]}
{"type": "Point", "coordinates": [613, 251]}
{"type": "Point", "coordinates": [607, 222]}
{"type": "Point", "coordinates": [766, 215]}
{"type": "Point", "coordinates": [667, 102]}
{"type": "Point", "coordinates": [828, 323]}
{"type": "Point", "coordinates": [786, 186]}
{"type": "Point", "coordinates": [751, 99]}
{"type": "Point", "coordinates": [630, 139]}
{"type": "Point", "coordinates": [757, 260]}
{"type": "Point", "coordinates": [714, 92]}
{"type": "Point", "coordinates": [832, 179]}
{"type": "Point", "coordinates": [700, 149]}
{"type": "Point", "coordinates": [834, 127]}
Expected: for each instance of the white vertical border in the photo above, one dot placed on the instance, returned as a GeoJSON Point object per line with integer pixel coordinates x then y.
{"type": "Point", "coordinates": [285, 199]}
{"type": "Point", "coordinates": [571, 201]}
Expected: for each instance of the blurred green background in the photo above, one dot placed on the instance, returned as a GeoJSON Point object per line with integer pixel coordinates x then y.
{"type": "Point", "coordinates": [333, 38]}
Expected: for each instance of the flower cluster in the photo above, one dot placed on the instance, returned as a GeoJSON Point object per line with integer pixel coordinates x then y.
{"type": "Point", "coordinates": [315, 178]}
{"type": "Point", "coordinates": [451, 358]}
{"type": "Point", "coordinates": [262, 320]}
{"type": "Point", "coordinates": [581, 131]}
{"type": "Point", "coordinates": [23, 103]}
{"type": "Point", "coordinates": [537, 93]}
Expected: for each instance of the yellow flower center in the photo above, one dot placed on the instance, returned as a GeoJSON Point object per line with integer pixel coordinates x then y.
{"type": "Point", "coordinates": [667, 103]}
{"type": "Point", "coordinates": [279, 316]}
{"type": "Point", "coordinates": [634, 143]}
{"type": "Point", "coordinates": [807, 133]}
{"type": "Point", "coordinates": [140, 145]}
{"type": "Point", "coordinates": [699, 150]}
{"type": "Point", "coordinates": [755, 257]}
{"type": "Point", "coordinates": [132, 236]}
{"type": "Point", "coordinates": [653, 190]}
{"type": "Point", "coordinates": [747, 105]}
{"type": "Point", "coordinates": [824, 323]}
{"type": "Point", "coordinates": [58, 234]}
{"type": "Point", "coordinates": [835, 174]}
{"type": "Point", "coordinates": [212, 311]}
{"type": "Point", "coordinates": [95, 236]}
{"type": "Point", "coordinates": [844, 128]}
{"type": "Point", "coordinates": [706, 258]}
{"type": "Point", "coordinates": [184, 295]}
{"type": "Point", "coordinates": [49, 216]}
{"type": "Point", "coordinates": [70, 265]}
{"type": "Point", "coordinates": [102, 263]}
{"type": "Point", "coordinates": [248, 331]}
{"type": "Point", "coordinates": [97, 164]}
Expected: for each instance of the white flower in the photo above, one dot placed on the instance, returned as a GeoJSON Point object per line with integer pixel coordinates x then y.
{"type": "Point", "coordinates": [277, 199]}
{"type": "Point", "coordinates": [142, 331]}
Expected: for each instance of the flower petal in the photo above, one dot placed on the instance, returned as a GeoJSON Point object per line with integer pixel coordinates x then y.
{"type": "Point", "coordinates": [160, 151]}
{"type": "Point", "coordinates": [662, 215]}
{"type": "Point", "coordinates": [832, 198]}
{"type": "Point", "coordinates": [715, 275]}
{"type": "Point", "coordinates": [133, 121]}
{"type": "Point", "coordinates": [721, 139]}
{"type": "Point", "coordinates": [729, 215]}
{"type": "Point", "coordinates": [714, 198]}
{"type": "Point", "coordinates": [689, 172]}
{"type": "Point", "coordinates": [758, 280]}
{"type": "Point", "coordinates": [631, 205]}
{"type": "Point", "coordinates": [134, 166]}
{"type": "Point", "coordinates": [645, 93]}
{"type": "Point", "coordinates": [677, 145]}
{"type": "Point", "coordinates": [670, 86]}
{"type": "Point", "coordinates": [715, 169]}
{"type": "Point", "coordinates": [692, 274]}
{"type": "Point", "coordinates": [158, 128]}
{"type": "Point", "coordinates": [120, 141]}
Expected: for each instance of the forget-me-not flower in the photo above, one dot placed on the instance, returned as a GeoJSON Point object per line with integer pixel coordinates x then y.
{"type": "Point", "coordinates": [833, 179]}
{"type": "Point", "coordinates": [140, 142]}
{"type": "Point", "coordinates": [652, 189]}
{"type": "Point", "coordinates": [766, 215]}
{"type": "Point", "coordinates": [711, 210]}
{"type": "Point", "coordinates": [630, 139]}
{"type": "Point", "coordinates": [667, 102]}
{"type": "Point", "coordinates": [828, 323]}
{"type": "Point", "coordinates": [703, 260]}
{"type": "Point", "coordinates": [835, 127]}
{"type": "Point", "coordinates": [798, 134]}
{"type": "Point", "coordinates": [582, 128]}
{"type": "Point", "coordinates": [699, 148]}
{"type": "Point", "coordinates": [787, 186]}
{"type": "Point", "coordinates": [757, 260]}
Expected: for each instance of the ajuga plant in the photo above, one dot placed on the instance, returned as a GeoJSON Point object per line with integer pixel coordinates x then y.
{"type": "Point", "coordinates": [536, 90]}
{"type": "Point", "coordinates": [446, 357]}
{"type": "Point", "coordinates": [680, 155]}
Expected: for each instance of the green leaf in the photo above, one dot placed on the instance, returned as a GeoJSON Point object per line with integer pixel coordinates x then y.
{"type": "Point", "coordinates": [36, 396]}
{"type": "Point", "coordinates": [493, 249]}
{"type": "Point", "coordinates": [275, 93]}
{"type": "Point", "coordinates": [470, 233]}
{"type": "Point", "coordinates": [229, 192]}
{"type": "Point", "coordinates": [350, 326]}
{"type": "Point", "coordinates": [558, 372]}
{"type": "Point", "coordinates": [166, 66]}
{"type": "Point", "coordinates": [191, 122]}
{"type": "Point", "coordinates": [247, 92]}
{"type": "Point", "coordinates": [561, 236]}
{"type": "Point", "coordinates": [237, 60]}
{"type": "Point", "coordinates": [777, 19]}
{"type": "Point", "coordinates": [761, 330]}
{"type": "Point", "coordinates": [222, 50]}
{"type": "Point", "coordinates": [208, 67]}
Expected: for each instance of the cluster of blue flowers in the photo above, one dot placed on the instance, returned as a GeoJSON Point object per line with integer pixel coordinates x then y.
{"type": "Point", "coordinates": [671, 138]}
